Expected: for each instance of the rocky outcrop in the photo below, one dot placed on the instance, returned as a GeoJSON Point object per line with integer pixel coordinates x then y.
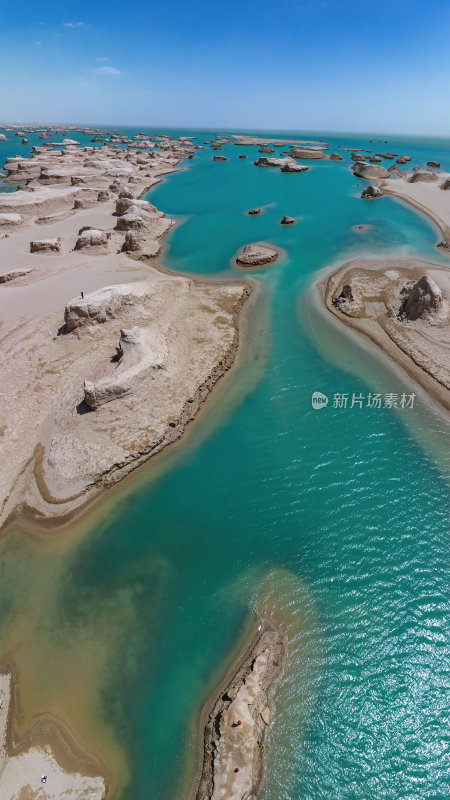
{"type": "Point", "coordinates": [403, 159]}
{"type": "Point", "coordinates": [266, 161]}
{"type": "Point", "coordinates": [256, 255]}
{"type": "Point", "coordinates": [344, 296]}
{"type": "Point", "coordinates": [446, 185]}
{"type": "Point", "coordinates": [220, 158]}
{"type": "Point", "coordinates": [423, 175]}
{"type": "Point", "coordinates": [371, 192]}
{"type": "Point", "coordinates": [98, 306]}
{"type": "Point", "coordinates": [433, 164]}
{"type": "Point", "coordinates": [359, 157]}
{"type": "Point", "coordinates": [306, 153]}
{"type": "Point", "coordinates": [140, 350]}
{"type": "Point", "coordinates": [394, 170]}
{"type": "Point", "coordinates": [236, 722]}
{"type": "Point", "coordinates": [293, 167]}
{"type": "Point", "coordinates": [45, 246]}
{"type": "Point", "coordinates": [287, 221]}
{"type": "Point", "coordinates": [421, 299]}
{"type": "Point", "coordinates": [335, 157]}
{"type": "Point", "coordinates": [369, 171]}
{"type": "Point", "coordinates": [254, 212]}
{"type": "Point", "coordinates": [92, 238]}
{"type": "Point", "coordinates": [375, 159]}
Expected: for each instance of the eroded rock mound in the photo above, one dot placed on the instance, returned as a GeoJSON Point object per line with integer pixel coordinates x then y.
{"type": "Point", "coordinates": [369, 171]}
{"type": "Point", "coordinates": [446, 184]}
{"type": "Point", "coordinates": [422, 299]}
{"type": "Point", "coordinates": [139, 350]}
{"type": "Point", "coordinates": [256, 255]}
{"type": "Point", "coordinates": [306, 153]}
{"type": "Point", "coordinates": [423, 175]}
{"type": "Point", "coordinates": [45, 246]}
{"type": "Point", "coordinates": [371, 193]}
{"type": "Point", "coordinates": [98, 306]}
{"type": "Point", "coordinates": [266, 161]}
{"type": "Point", "coordinates": [293, 167]}
{"type": "Point", "coordinates": [92, 238]}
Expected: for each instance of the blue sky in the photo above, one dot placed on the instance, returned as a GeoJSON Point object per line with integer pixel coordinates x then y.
{"type": "Point", "coordinates": [304, 65]}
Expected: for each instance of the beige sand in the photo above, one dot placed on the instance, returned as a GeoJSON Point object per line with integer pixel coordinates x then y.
{"type": "Point", "coordinates": [429, 198]}
{"type": "Point", "coordinates": [58, 452]}
{"type": "Point", "coordinates": [421, 346]}
{"type": "Point", "coordinates": [21, 769]}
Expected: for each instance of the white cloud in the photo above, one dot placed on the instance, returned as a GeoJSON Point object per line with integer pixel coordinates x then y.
{"type": "Point", "coordinates": [107, 71]}
{"type": "Point", "coordinates": [102, 59]}
{"type": "Point", "coordinates": [75, 25]}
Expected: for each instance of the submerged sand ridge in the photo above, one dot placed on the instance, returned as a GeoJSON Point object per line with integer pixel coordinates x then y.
{"type": "Point", "coordinates": [93, 390]}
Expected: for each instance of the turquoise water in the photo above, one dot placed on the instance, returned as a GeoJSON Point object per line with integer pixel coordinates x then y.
{"type": "Point", "coordinates": [336, 520]}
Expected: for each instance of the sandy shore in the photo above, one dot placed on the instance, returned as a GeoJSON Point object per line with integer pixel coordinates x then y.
{"type": "Point", "coordinates": [34, 772]}
{"type": "Point", "coordinates": [236, 721]}
{"type": "Point", "coordinates": [95, 385]}
{"type": "Point", "coordinates": [377, 290]}
{"type": "Point", "coordinates": [428, 197]}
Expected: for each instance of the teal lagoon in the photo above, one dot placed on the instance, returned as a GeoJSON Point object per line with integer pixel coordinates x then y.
{"type": "Point", "coordinates": [336, 520]}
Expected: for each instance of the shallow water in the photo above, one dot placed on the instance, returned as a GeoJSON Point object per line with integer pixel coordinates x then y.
{"type": "Point", "coordinates": [334, 520]}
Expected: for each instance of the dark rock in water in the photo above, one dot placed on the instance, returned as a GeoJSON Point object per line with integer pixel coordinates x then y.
{"type": "Point", "coordinates": [434, 164]}
{"type": "Point", "coordinates": [287, 221]}
{"type": "Point", "coordinates": [335, 157]}
{"type": "Point", "coordinates": [254, 211]}
{"type": "Point", "coordinates": [345, 295]}
{"type": "Point", "coordinates": [403, 159]}
{"type": "Point", "coordinates": [357, 157]}
{"type": "Point", "coordinates": [242, 156]}
{"type": "Point", "coordinates": [219, 158]}
{"type": "Point", "coordinates": [375, 160]}
{"type": "Point", "coordinates": [268, 150]}
{"type": "Point", "coordinates": [421, 299]}
{"type": "Point", "coordinates": [371, 192]}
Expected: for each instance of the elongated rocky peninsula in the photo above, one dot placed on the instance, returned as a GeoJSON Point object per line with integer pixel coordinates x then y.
{"type": "Point", "coordinates": [237, 720]}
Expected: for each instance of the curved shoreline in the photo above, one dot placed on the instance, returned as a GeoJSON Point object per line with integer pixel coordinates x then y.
{"type": "Point", "coordinates": [236, 719]}
{"type": "Point", "coordinates": [389, 188]}
{"type": "Point", "coordinates": [47, 746]}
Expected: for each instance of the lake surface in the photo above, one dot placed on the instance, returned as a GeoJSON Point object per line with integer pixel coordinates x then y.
{"type": "Point", "coordinates": [336, 521]}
